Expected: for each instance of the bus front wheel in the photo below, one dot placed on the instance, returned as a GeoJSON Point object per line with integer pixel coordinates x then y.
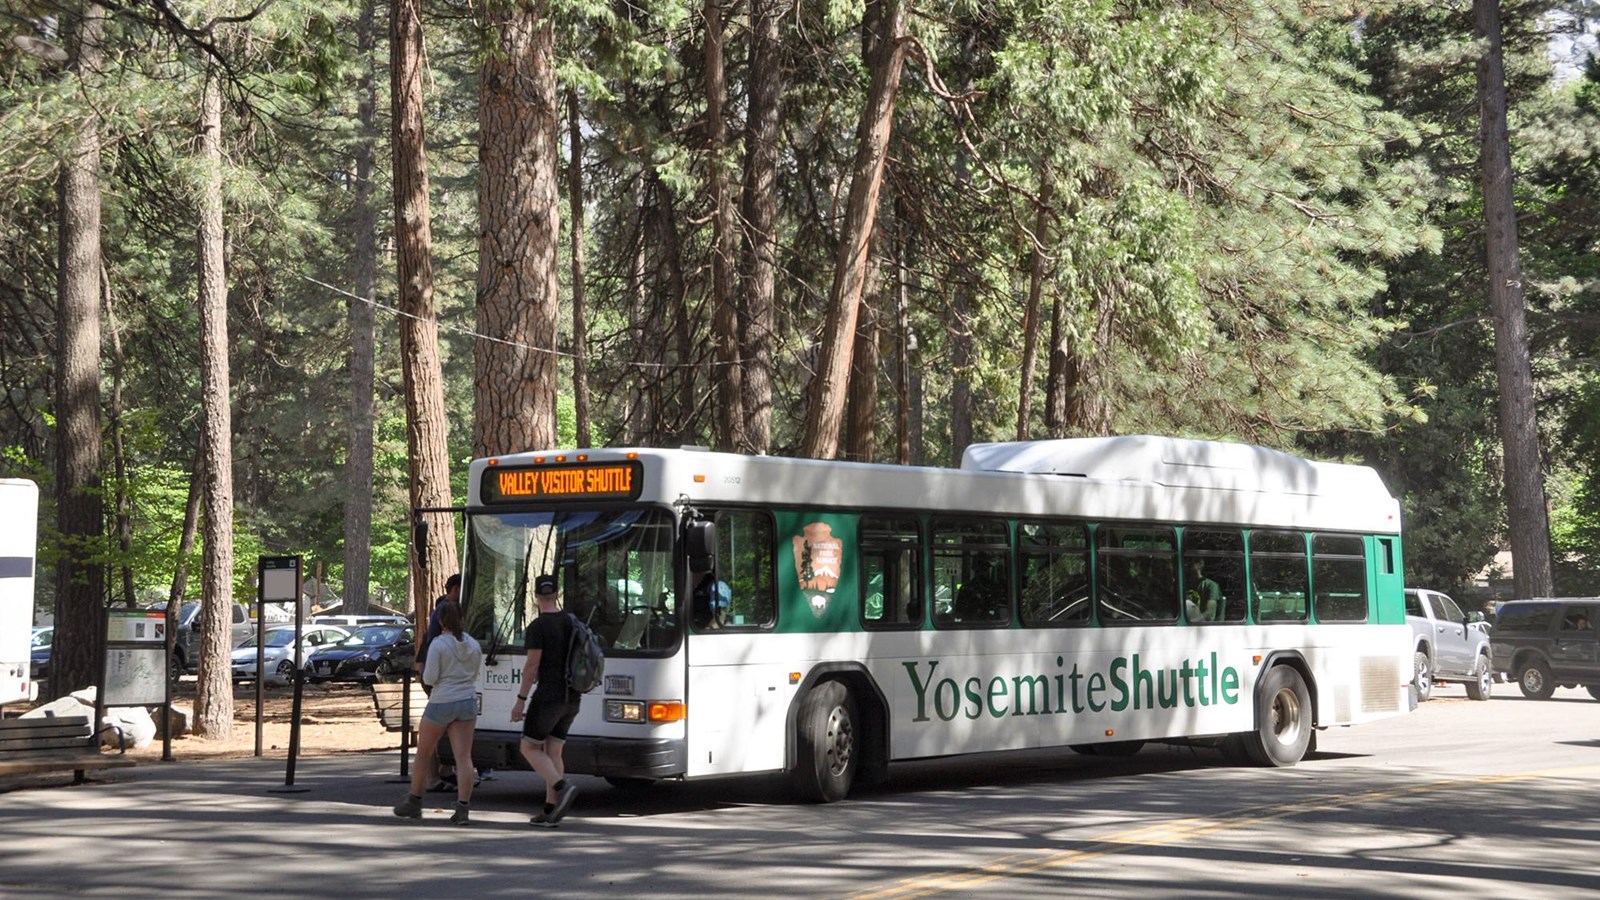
{"type": "Point", "coordinates": [1283, 720]}
{"type": "Point", "coordinates": [827, 760]}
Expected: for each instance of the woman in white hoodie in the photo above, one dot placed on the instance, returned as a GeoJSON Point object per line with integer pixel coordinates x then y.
{"type": "Point", "coordinates": [452, 671]}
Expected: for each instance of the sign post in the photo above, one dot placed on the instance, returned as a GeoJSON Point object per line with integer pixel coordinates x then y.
{"type": "Point", "coordinates": [279, 579]}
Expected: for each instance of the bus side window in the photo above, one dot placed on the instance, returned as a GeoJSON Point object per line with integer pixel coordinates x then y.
{"type": "Point", "coordinates": [972, 572]}
{"type": "Point", "coordinates": [745, 566]}
{"type": "Point", "coordinates": [1213, 575]}
{"type": "Point", "coordinates": [1278, 575]}
{"type": "Point", "coordinates": [891, 572]}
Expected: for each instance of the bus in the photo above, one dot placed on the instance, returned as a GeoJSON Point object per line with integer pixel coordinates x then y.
{"type": "Point", "coordinates": [19, 535]}
{"type": "Point", "coordinates": [824, 619]}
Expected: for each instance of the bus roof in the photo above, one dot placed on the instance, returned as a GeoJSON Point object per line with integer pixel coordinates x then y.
{"type": "Point", "coordinates": [1137, 478]}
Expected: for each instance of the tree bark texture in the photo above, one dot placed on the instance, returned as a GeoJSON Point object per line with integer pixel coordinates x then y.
{"type": "Point", "coordinates": [903, 337]}
{"type": "Point", "coordinates": [363, 333]}
{"type": "Point", "coordinates": [727, 375]}
{"type": "Point", "coordinates": [760, 213]}
{"type": "Point", "coordinates": [861, 411]}
{"type": "Point", "coordinates": [213, 708]}
{"type": "Point", "coordinates": [580, 314]}
{"type": "Point", "coordinates": [80, 508]}
{"type": "Point", "coordinates": [963, 357]}
{"type": "Point", "coordinates": [1527, 513]}
{"type": "Point", "coordinates": [519, 199]}
{"type": "Point", "coordinates": [1030, 317]}
{"type": "Point", "coordinates": [825, 409]}
{"type": "Point", "coordinates": [119, 449]}
{"type": "Point", "coordinates": [426, 434]}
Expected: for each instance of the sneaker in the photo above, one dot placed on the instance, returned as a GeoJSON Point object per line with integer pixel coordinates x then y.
{"type": "Point", "coordinates": [541, 819]}
{"type": "Point", "coordinates": [459, 817]}
{"type": "Point", "coordinates": [442, 785]}
{"type": "Point", "coordinates": [563, 803]}
{"type": "Point", "coordinates": [409, 808]}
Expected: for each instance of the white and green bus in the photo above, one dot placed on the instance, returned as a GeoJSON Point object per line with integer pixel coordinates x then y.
{"type": "Point", "coordinates": [19, 535]}
{"type": "Point", "coordinates": [826, 619]}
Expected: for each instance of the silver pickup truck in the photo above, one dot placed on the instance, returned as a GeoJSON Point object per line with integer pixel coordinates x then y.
{"type": "Point", "coordinates": [1450, 645]}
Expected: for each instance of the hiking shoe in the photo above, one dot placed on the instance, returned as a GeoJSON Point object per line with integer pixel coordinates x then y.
{"type": "Point", "coordinates": [563, 803]}
{"type": "Point", "coordinates": [459, 817]}
{"type": "Point", "coordinates": [541, 819]}
{"type": "Point", "coordinates": [409, 808]}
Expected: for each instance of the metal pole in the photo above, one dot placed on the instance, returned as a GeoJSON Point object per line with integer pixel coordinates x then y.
{"type": "Point", "coordinates": [261, 661]}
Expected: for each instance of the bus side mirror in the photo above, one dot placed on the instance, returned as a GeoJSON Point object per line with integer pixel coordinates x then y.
{"type": "Point", "coordinates": [700, 544]}
{"type": "Point", "coordinates": [419, 541]}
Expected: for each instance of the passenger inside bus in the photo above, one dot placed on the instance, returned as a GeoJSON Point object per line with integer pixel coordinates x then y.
{"type": "Point", "coordinates": [709, 605]}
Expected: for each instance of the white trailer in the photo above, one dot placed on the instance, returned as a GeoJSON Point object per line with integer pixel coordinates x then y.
{"type": "Point", "coordinates": [19, 540]}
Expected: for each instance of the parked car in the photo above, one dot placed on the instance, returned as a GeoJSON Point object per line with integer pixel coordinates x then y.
{"type": "Point", "coordinates": [358, 621]}
{"type": "Point", "coordinates": [39, 666]}
{"type": "Point", "coordinates": [1545, 643]}
{"type": "Point", "coordinates": [1448, 645]}
{"type": "Point", "coordinates": [186, 641]}
{"type": "Point", "coordinates": [278, 652]}
{"type": "Point", "coordinates": [371, 653]}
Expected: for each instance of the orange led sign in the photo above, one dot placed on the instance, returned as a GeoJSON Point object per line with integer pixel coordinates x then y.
{"type": "Point", "coordinates": [584, 481]}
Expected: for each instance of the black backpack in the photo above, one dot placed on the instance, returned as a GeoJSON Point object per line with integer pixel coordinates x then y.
{"type": "Point", "coordinates": [586, 658]}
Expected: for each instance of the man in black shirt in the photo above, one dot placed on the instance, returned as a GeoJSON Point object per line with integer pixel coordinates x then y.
{"type": "Point", "coordinates": [554, 704]}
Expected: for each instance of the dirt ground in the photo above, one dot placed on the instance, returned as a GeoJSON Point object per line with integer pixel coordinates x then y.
{"type": "Point", "coordinates": [334, 718]}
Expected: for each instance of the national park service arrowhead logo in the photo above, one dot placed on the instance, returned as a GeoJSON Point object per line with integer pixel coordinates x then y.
{"type": "Point", "coordinates": [817, 558]}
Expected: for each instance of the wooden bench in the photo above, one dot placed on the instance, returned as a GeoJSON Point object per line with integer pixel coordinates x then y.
{"type": "Point", "coordinates": [37, 744]}
{"type": "Point", "coordinates": [389, 700]}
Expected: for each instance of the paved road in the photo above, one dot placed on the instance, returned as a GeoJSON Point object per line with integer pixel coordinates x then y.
{"type": "Point", "coordinates": [1458, 800]}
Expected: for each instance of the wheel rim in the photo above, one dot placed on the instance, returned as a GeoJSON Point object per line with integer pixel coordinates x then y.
{"type": "Point", "coordinates": [1533, 680]}
{"type": "Point", "coordinates": [1424, 676]}
{"type": "Point", "coordinates": [1286, 717]}
{"type": "Point", "coordinates": [841, 741]}
{"type": "Point", "coordinates": [1485, 679]}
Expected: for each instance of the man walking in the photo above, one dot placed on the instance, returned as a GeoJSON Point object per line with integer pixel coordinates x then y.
{"type": "Point", "coordinates": [554, 704]}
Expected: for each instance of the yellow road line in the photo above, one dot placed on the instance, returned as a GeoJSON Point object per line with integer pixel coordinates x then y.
{"type": "Point", "coordinates": [1160, 834]}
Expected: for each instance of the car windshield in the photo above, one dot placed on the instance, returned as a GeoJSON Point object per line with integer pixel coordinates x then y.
{"type": "Point", "coordinates": [277, 637]}
{"type": "Point", "coordinates": [375, 636]}
{"type": "Point", "coordinates": [615, 571]}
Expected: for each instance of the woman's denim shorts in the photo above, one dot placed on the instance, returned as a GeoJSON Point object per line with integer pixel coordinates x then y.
{"type": "Point", "coordinates": [442, 714]}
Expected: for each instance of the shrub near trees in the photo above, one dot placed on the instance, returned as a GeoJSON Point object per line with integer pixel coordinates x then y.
{"type": "Point", "coordinates": [1254, 220]}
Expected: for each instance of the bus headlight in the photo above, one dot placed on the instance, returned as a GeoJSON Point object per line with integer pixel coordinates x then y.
{"type": "Point", "coordinates": [624, 711]}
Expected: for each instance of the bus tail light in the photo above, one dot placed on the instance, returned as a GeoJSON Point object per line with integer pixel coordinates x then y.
{"type": "Point", "coordinates": [667, 711]}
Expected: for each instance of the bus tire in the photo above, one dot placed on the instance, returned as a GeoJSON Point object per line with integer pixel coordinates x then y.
{"type": "Point", "coordinates": [1283, 720]}
{"type": "Point", "coordinates": [826, 761]}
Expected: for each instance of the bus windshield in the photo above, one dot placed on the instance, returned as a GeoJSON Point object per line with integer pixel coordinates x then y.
{"type": "Point", "coordinates": [615, 569]}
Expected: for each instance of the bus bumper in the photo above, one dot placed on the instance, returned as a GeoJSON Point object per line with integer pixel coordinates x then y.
{"type": "Point", "coordinates": [587, 755]}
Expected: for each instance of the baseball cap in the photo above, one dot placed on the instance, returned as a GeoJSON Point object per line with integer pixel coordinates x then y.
{"type": "Point", "coordinates": [545, 584]}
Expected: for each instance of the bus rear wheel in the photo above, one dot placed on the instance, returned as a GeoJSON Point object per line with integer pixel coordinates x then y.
{"type": "Point", "coordinates": [1283, 720]}
{"type": "Point", "coordinates": [827, 759]}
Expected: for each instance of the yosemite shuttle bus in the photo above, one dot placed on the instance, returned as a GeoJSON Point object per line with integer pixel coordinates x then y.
{"type": "Point", "coordinates": [19, 536]}
{"type": "Point", "coordinates": [825, 618]}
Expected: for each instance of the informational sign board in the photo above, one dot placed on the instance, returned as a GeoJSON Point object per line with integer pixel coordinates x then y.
{"type": "Point", "coordinates": [136, 657]}
{"type": "Point", "coordinates": [280, 579]}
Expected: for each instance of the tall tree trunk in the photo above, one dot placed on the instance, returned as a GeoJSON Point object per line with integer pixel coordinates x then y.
{"type": "Point", "coordinates": [903, 336]}
{"type": "Point", "coordinates": [760, 213]}
{"type": "Point", "coordinates": [642, 412]}
{"type": "Point", "coordinates": [825, 409]}
{"type": "Point", "coordinates": [191, 524]}
{"type": "Point", "coordinates": [80, 509]}
{"type": "Point", "coordinates": [213, 708]}
{"type": "Point", "coordinates": [363, 331]}
{"type": "Point", "coordinates": [580, 315]}
{"type": "Point", "coordinates": [119, 449]}
{"type": "Point", "coordinates": [861, 411]}
{"type": "Point", "coordinates": [519, 210]}
{"type": "Point", "coordinates": [963, 357]}
{"type": "Point", "coordinates": [423, 378]}
{"type": "Point", "coordinates": [1527, 514]}
{"type": "Point", "coordinates": [727, 376]}
{"type": "Point", "coordinates": [1030, 317]}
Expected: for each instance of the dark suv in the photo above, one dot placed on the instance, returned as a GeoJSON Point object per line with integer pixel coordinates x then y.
{"type": "Point", "coordinates": [1545, 643]}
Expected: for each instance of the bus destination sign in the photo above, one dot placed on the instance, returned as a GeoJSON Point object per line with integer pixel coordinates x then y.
{"type": "Point", "coordinates": [563, 482]}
